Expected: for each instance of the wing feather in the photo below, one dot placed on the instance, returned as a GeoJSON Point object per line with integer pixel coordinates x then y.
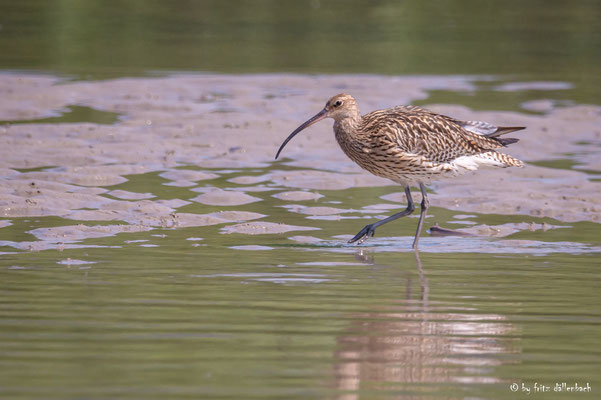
{"type": "Point", "coordinates": [414, 130]}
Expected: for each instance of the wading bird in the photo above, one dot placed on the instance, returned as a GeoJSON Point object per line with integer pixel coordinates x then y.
{"type": "Point", "coordinates": [412, 147]}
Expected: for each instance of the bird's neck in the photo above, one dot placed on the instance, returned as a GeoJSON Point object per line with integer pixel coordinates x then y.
{"type": "Point", "coordinates": [347, 126]}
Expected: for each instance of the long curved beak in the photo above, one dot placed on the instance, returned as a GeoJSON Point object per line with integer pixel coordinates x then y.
{"type": "Point", "coordinates": [318, 117]}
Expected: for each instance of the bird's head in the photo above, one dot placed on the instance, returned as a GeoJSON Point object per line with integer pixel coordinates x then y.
{"type": "Point", "coordinates": [339, 107]}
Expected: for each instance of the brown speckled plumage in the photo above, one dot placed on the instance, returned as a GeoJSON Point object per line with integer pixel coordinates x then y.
{"type": "Point", "coordinates": [412, 146]}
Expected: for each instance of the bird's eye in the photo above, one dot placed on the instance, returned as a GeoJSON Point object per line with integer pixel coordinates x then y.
{"type": "Point", "coordinates": [338, 103]}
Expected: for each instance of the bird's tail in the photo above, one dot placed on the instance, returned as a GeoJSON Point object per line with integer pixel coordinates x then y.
{"type": "Point", "coordinates": [502, 130]}
{"type": "Point", "coordinates": [506, 160]}
{"type": "Point", "coordinates": [507, 141]}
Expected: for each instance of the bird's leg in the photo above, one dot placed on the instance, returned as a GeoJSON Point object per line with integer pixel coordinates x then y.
{"type": "Point", "coordinates": [422, 214]}
{"type": "Point", "coordinates": [370, 229]}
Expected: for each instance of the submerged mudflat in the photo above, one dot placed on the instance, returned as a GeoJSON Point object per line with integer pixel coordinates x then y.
{"type": "Point", "coordinates": [212, 140]}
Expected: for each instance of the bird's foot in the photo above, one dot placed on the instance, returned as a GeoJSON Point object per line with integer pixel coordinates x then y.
{"type": "Point", "coordinates": [364, 234]}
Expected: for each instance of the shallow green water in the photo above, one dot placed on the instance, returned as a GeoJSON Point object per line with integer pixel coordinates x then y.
{"type": "Point", "coordinates": [158, 315]}
{"type": "Point", "coordinates": [73, 114]}
{"type": "Point", "coordinates": [520, 40]}
{"type": "Point", "coordinates": [146, 324]}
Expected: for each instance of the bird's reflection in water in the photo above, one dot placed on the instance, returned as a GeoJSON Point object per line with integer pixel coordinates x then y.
{"type": "Point", "coordinates": [411, 341]}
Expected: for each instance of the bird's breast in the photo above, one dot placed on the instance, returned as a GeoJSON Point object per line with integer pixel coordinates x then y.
{"type": "Point", "coordinates": [385, 158]}
{"type": "Point", "coordinates": [362, 151]}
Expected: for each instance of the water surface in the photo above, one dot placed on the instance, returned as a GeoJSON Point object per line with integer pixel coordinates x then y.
{"type": "Point", "coordinates": [181, 313]}
{"type": "Point", "coordinates": [534, 40]}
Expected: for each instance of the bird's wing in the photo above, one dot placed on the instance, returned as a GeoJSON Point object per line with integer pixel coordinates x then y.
{"type": "Point", "coordinates": [487, 129]}
{"type": "Point", "coordinates": [479, 127]}
{"type": "Point", "coordinates": [413, 130]}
